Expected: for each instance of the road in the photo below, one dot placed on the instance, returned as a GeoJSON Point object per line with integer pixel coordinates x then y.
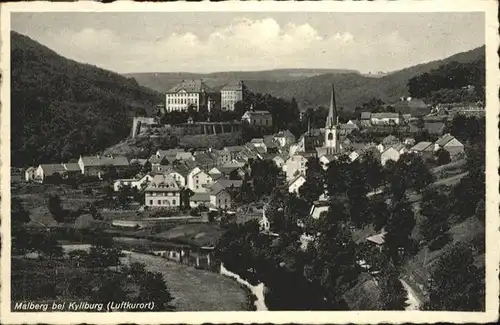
{"type": "Point", "coordinates": [413, 302]}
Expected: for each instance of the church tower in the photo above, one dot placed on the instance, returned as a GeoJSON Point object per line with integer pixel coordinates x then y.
{"type": "Point", "coordinates": [332, 137]}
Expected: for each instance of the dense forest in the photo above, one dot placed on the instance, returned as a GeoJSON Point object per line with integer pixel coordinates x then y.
{"type": "Point", "coordinates": [451, 82]}
{"type": "Point", "coordinates": [61, 108]}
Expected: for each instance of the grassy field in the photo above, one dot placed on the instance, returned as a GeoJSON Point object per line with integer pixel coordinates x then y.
{"type": "Point", "coordinates": [194, 289]}
{"type": "Point", "coordinates": [201, 234]}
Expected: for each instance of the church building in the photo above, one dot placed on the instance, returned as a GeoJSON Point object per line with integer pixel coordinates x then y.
{"type": "Point", "coordinates": [323, 141]}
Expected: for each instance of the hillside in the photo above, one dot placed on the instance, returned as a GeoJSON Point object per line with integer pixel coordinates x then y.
{"type": "Point", "coordinates": [62, 108]}
{"type": "Point", "coordinates": [165, 80]}
{"type": "Point", "coordinates": [311, 87]}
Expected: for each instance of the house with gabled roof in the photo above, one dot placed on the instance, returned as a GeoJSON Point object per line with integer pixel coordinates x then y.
{"type": "Point", "coordinates": [162, 192]}
{"type": "Point", "coordinates": [199, 199]}
{"type": "Point", "coordinates": [72, 169]}
{"type": "Point", "coordinates": [95, 165]}
{"type": "Point", "coordinates": [258, 118]}
{"type": "Point", "coordinates": [30, 174]}
{"type": "Point", "coordinates": [389, 154]}
{"type": "Point", "coordinates": [296, 183]}
{"type": "Point", "coordinates": [450, 144]}
{"type": "Point", "coordinates": [200, 180]}
{"type": "Point", "coordinates": [49, 170]}
{"type": "Point", "coordinates": [284, 138]}
{"type": "Point", "coordinates": [423, 148]}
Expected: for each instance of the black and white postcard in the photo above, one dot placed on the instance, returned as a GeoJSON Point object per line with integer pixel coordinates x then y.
{"type": "Point", "coordinates": [295, 162]}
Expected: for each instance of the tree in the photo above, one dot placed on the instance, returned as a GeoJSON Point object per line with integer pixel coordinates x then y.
{"type": "Point", "coordinates": [399, 228]}
{"type": "Point", "coordinates": [102, 252]}
{"type": "Point", "coordinates": [55, 208]}
{"type": "Point", "coordinates": [154, 289]}
{"type": "Point", "coordinates": [434, 228]}
{"type": "Point", "coordinates": [332, 266]}
{"type": "Point", "coordinates": [456, 283]}
{"type": "Point", "coordinates": [442, 157]}
{"type": "Point", "coordinates": [393, 295]}
{"type": "Point", "coordinates": [314, 185]}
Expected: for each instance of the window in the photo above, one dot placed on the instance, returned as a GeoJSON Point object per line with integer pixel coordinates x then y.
{"type": "Point", "coordinates": [173, 201]}
{"type": "Point", "coordinates": [330, 136]}
{"type": "Point", "coordinates": [150, 202]}
{"type": "Point", "coordinates": [159, 202]}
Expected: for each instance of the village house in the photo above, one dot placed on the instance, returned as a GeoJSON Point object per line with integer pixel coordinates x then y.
{"type": "Point", "coordinates": [296, 183]}
{"type": "Point", "coordinates": [222, 156]}
{"type": "Point", "coordinates": [220, 197]}
{"type": "Point", "coordinates": [424, 148]}
{"type": "Point", "coordinates": [451, 144]}
{"type": "Point", "coordinates": [295, 165]}
{"type": "Point", "coordinates": [72, 169]}
{"type": "Point", "coordinates": [258, 118]}
{"type": "Point", "coordinates": [377, 240]}
{"type": "Point", "coordinates": [162, 192]}
{"type": "Point", "coordinates": [30, 174]}
{"type": "Point", "coordinates": [385, 118]}
{"type": "Point", "coordinates": [389, 154]}
{"type": "Point", "coordinates": [205, 160]}
{"type": "Point", "coordinates": [200, 180]}
{"type": "Point", "coordinates": [319, 208]}
{"type": "Point", "coordinates": [365, 119]}
{"type": "Point", "coordinates": [49, 170]}
{"type": "Point", "coordinates": [390, 140]}
{"type": "Point", "coordinates": [139, 184]}
{"type": "Point", "coordinates": [234, 151]}
{"type": "Point", "coordinates": [96, 165]}
{"type": "Point", "coordinates": [284, 138]}
{"type": "Point", "coordinates": [199, 199]}
{"type": "Point", "coordinates": [326, 160]}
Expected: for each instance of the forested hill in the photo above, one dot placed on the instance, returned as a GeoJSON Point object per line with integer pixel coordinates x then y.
{"type": "Point", "coordinates": [355, 89]}
{"type": "Point", "coordinates": [311, 88]}
{"type": "Point", "coordinates": [62, 108]}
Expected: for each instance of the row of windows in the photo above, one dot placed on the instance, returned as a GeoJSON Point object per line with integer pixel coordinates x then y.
{"type": "Point", "coordinates": [159, 194]}
{"type": "Point", "coordinates": [183, 95]}
{"type": "Point", "coordinates": [162, 202]}
{"type": "Point", "coordinates": [182, 101]}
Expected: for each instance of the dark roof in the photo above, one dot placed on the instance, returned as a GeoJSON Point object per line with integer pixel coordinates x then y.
{"type": "Point", "coordinates": [200, 197]}
{"type": "Point", "coordinates": [235, 148]}
{"type": "Point", "coordinates": [191, 86]}
{"type": "Point", "coordinates": [235, 85]}
{"type": "Point", "coordinates": [163, 183]}
{"type": "Point", "coordinates": [434, 127]}
{"type": "Point", "coordinates": [50, 169]}
{"type": "Point", "coordinates": [444, 139]}
{"type": "Point", "coordinates": [103, 161]}
{"type": "Point", "coordinates": [366, 115]}
{"type": "Point", "coordinates": [204, 158]}
{"type": "Point", "coordinates": [285, 133]}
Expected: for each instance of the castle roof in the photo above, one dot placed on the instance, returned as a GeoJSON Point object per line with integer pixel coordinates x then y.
{"type": "Point", "coordinates": [191, 86]}
{"type": "Point", "coordinates": [235, 85]}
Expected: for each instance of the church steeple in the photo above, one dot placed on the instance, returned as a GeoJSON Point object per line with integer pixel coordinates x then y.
{"type": "Point", "coordinates": [333, 117]}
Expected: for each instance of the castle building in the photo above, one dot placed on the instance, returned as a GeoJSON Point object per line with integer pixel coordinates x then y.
{"type": "Point", "coordinates": [231, 94]}
{"type": "Point", "coordinates": [192, 92]}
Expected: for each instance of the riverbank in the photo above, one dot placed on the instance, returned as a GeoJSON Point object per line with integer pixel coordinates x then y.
{"type": "Point", "coordinates": [193, 289]}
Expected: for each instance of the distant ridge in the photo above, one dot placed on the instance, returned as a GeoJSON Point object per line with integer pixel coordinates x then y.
{"type": "Point", "coordinates": [310, 87]}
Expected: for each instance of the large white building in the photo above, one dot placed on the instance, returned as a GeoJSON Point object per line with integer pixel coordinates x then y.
{"type": "Point", "coordinates": [191, 92]}
{"type": "Point", "coordinates": [231, 94]}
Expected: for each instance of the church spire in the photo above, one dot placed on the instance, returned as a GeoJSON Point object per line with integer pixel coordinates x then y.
{"type": "Point", "coordinates": [333, 117]}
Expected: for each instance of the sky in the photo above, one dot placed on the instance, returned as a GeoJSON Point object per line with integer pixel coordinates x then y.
{"type": "Point", "coordinates": [249, 41]}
